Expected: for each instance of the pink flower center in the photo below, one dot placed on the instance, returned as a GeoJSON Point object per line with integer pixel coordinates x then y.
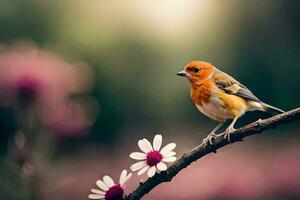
{"type": "Point", "coordinates": [153, 158]}
{"type": "Point", "coordinates": [27, 90]}
{"type": "Point", "coordinates": [114, 193]}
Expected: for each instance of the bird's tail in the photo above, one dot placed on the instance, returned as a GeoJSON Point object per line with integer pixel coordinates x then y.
{"type": "Point", "coordinates": [271, 109]}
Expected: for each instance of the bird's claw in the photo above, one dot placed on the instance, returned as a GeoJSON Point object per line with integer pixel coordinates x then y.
{"type": "Point", "coordinates": [227, 133]}
{"type": "Point", "coordinates": [209, 139]}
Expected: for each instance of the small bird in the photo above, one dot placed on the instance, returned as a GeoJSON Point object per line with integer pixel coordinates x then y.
{"type": "Point", "coordinates": [220, 97]}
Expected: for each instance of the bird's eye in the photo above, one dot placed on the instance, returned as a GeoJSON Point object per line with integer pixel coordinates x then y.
{"type": "Point", "coordinates": [195, 70]}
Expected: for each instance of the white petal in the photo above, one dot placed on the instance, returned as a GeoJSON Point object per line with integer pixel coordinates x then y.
{"type": "Point", "coordinates": [148, 144]}
{"type": "Point", "coordinates": [168, 148]}
{"type": "Point", "coordinates": [169, 154]}
{"type": "Point", "coordinates": [138, 156]}
{"type": "Point", "coordinates": [126, 179]}
{"type": "Point", "coordinates": [169, 159]}
{"type": "Point", "coordinates": [157, 142]}
{"type": "Point", "coordinates": [151, 171]}
{"type": "Point", "coordinates": [96, 196]}
{"type": "Point", "coordinates": [108, 181]}
{"type": "Point", "coordinates": [145, 145]}
{"type": "Point", "coordinates": [102, 185]}
{"type": "Point", "coordinates": [161, 166]}
{"type": "Point", "coordinates": [96, 191]}
{"type": "Point", "coordinates": [138, 165]}
{"type": "Point", "coordinates": [123, 176]}
{"type": "Point", "coordinates": [143, 170]}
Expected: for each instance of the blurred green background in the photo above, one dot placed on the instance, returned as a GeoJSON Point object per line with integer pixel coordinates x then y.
{"type": "Point", "coordinates": [135, 49]}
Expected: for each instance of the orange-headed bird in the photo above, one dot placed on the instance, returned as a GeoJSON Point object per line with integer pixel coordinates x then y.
{"type": "Point", "coordinates": [220, 97]}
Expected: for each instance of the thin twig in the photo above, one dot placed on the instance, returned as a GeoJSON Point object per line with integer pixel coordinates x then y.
{"type": "Point", "coordinates": [202, 150]}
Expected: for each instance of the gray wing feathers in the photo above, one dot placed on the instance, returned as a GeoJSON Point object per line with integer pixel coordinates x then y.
{"type": "Point", "coordinates": [246, 93]}
{"type": "Point", "coordinates": [232, 86]}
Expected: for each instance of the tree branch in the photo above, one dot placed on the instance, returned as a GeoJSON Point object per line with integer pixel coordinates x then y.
{"type": "Point", "coordinates": [202, 150]}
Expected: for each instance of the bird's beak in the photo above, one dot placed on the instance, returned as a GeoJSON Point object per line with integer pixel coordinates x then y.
{"type": "Point", "coordinates": [182, 73]}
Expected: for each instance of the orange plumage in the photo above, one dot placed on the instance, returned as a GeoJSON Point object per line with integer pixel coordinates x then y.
{"type": "Point", "coordinates": [219, 96]}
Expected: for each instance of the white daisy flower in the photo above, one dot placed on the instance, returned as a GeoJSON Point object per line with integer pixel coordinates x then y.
{"type": "Point", "coordinates": [152, 159]}
{"type": "Point", "coordinates": [108, 190]}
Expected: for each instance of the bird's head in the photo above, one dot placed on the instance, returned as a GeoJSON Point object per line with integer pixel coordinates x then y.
{"type": "Point", "coordinates": [197, 71]}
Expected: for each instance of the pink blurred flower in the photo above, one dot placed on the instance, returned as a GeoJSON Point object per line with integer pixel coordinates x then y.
{"type": "Point", "coordinates": [29, 75]}
{"type": "Point", "coordinates": [42, 81]}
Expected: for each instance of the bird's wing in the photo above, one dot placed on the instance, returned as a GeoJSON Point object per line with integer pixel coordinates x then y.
{"type": "Point", "coordinates": [232, 86]}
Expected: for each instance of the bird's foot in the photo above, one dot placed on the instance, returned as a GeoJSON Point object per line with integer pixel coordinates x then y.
{"type": "Point", "coordinates": [210, 138]}
{"type": "Point", "coordinates": [228, 132]}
